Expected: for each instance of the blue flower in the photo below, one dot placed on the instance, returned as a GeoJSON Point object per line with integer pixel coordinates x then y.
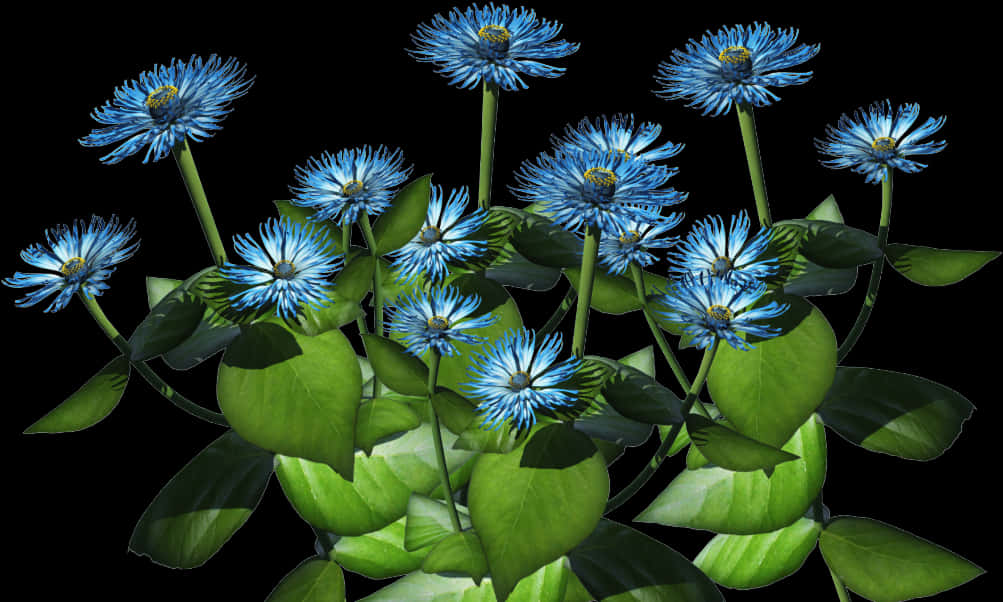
{"type": "Point", "coordinates": [292, 265]}
{"type": "Point", "coordinates": [79, 258]}
{"type": "Point", "coordinates": [443, 240]}
{"type": "Point", "coordinates": [434, 318]}
{"type": "Point", "coordinates": [632, 244]}
{"type": "Point", "coordinates": [726, 254]}
{"type": "Point", "coordinates": [596, 188]}
{"type": "Point", "coordinates": [493, 44]}
{"type": "Point", "coordinates": [167, 104]}
{"type": "Point", "coordinates": [711, 307]}
{"type": "Point", "coordinates": [354, 181]}
{"type": "Point", "coordinates": [514, 379]}
{"type": "Point", "coordinates": [876, 139]}
{"type": "Point", "coordinates": [734, 65]}
{"type": "Point", "coordinates": [617, 135]}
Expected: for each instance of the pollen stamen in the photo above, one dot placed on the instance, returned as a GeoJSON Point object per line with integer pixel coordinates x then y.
{"type": "Point", "coordinates": [351, 187]}
{"type": "Point", "coordinates": [600, 176]}
{"type": "Point", "coordinates": [721, 265]}
{"type": "Point", "coordinates": [494, 33]}
{"type": "Point", "coordinates": [734, 55]}
{"type": "Point", "coordinates": [430, 234]}
{"type": "Point", "coordinates": [438, 323]}
{"type": "Point", "coordinates": [161, 96]}
{"type": "Point", "coordinates": [284, 269]}
{"type": "Point", "coordinates": [884, 143]}
{"type": "Point", "coordinates": [519, 381]}
{"type": "Point", "coordinates": [72, 266]}
{"type": "Point", "coordinates": [629, 237]}
{"type": "Point", "coordinates": [719, 312]}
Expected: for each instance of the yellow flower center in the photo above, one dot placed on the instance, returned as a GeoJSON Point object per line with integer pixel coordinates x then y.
{"type": "Point", "coordinates": [884, 143]}
{"type": "Point", "coordinates": [629, 237]}
{"type": "Point", "coordinates": [284, 269]}
{"type": "Point", "coordinates": [519, 380]}
{"type": "Point", "coordinates": [600, 176]}
{"type": "Point", "coordinates": [351, 187]}
{"type": "Point", "coordinates": [620, 151]}
{"type": "Point", "coordinates": [719, 312]}
{"type": "Point", "coordinates": [720, 265]}
{"type": "Point", "coordinates": [72, 266]}
{"type": "Point", "coordinates": [161, 96]}
{"type": "Point", "coordinates": [438, 323]}
{"type": "Point", "coordinates": [430, 234]}
{"type": "Point", "coordinates": [494, 33]}
{"type": "Point", "coordinates": [735, 55]}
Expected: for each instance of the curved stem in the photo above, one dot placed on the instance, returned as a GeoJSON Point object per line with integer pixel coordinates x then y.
{"type": "Point", "coordinates": [663, 449]}
{"type": "Point", "coordinates": [489, 119]}
{"type": "Point", "coordinates": [747, 122]}
{"type": "Point", "coordinates": [562, 310]}
{"type": "Point", "coordinates": [876, 268]}
{"type": "Point", "coordinates": [840, 588]}
{"type": "Point", "coordinates": [183, 157]}
{"type": "Point", "coordinates": [642, 297]}
{"type": "Point", "coordinates": [589, 255]}
{"type": "Point", "coordinates": [367, 232]}
{"type": "Point", "coordinates": [151, 377]}
{"type": "Point", "coordinates": [440, 454]}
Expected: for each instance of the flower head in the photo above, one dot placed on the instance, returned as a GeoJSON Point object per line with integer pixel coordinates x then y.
{"type": "Point", "coordinates": [493, 44]}
{"type": "Point", "coordinates": [596, 188]}
{"type": "Point", "coordinates": [632, 243]}
{"type": "Point", "coordinates": [79, 258]}
{"type": "Point", "coordinates": [617, 135]}
{"type": "Point", "coordinates": [736, 64]}
{"type": "Point", "coordinates": [292, 265]}
{"type": "Point", "coordinates": [513, 378]}
{"type": "Point", "coordinates": [875, 139]}
{"type": "Point", "coordinates": [711, 307]}
{"type": "Point", "coordinates": [166, 104]}
{"type": "Point", "coordinates": [442, 240]}
{"type": "Point", "coordinates": [731, 254]}
{"type": "Point", "coordinates": [354, 181]}
{"type": "Point", "coordinates": [433, 319]}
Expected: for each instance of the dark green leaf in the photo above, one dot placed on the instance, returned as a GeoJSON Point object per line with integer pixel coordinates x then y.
{"type": "Point", "coordinates": [405, 216]}
{"type": "Point", "coordinates": [455, 412]}
{"type": "Point", "coordinates": [314, 580]}
{"type": "Point", "coordinates": [640, 397]}
{"type": "Point", "coordinates": [936, 267]}
{"type": "Point", "coordinates": [834, 245]}
{"type": "Point", "coordinates": [381, 417]}
{"type": "Point", "coordinates": [158, 288]}
{"type": "Point", "coordinates": [171, 321]}
{"type": "Point", "coordinates": [733, 451]}
{"type": "Point", "coordinates": [90, 403]}
{"type": "Point", "coordinates": [540, 241]}
{"type": "Point", "coordinates": [395, 367]}
{"type": "Point", "coordinates": [519, 272]}
{"type": "Point", "coordinates": [613, 294]}
{"type": "Point", "coordinates": [602, 421]}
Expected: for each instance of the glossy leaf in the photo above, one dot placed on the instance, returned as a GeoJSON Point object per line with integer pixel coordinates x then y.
{"type": "Point", "coordinates": [936, 267]}
{"type": "Point", "coordinates": [640, 397]}
{"type": "Point", "coordinates": [602, 421]}
{"type": "Point", "coordinates": [211, 336]}
{"type": "Point", "coordinates": [428, 522]}
{"type": "Point", "coordinates": [355, 280]}
{"type": "Point", "coordinates": [827, 211]}
{"type": "Point", "coordinates": [395, 367]}
{"type": "Point", "coordinates": [540, 241]}
{"type": "Point", "coordinates": [731, 450]}
{"type": "Point", "coordinates": [500, 440]}
{"type": "Point", "coordinates": [613, 294]}
{"type": "Point", "coordinates": [458, 553]}
{"type": "Point", "coordinates": [172, 320]}
{"type": "Point", "coordinates": [455, 412]}
{"type": "Point", "coordinates": [378, 554]}
{"type": "Point", "coordinates": [405, 217]}
{"type": "Point", "coordinates": [158, 288]}
{"type": "Point", "coordinates": [381, 417]}
{"type": "Point", "coordinates": [314, 580]}
{"type": "Point", "coordinates": [301, 214]}
{"type": "Point", "coordinates": [520, 272]}
{"type": "Point", "coordinates": [834, 245]}
{"type": "Point", "coordinates": [90, 404]}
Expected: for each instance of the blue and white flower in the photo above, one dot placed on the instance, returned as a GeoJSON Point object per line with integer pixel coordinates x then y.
{"type": "Point", "coordinates": [79, 258]}
{"type": "Point", "coordinates": [617, 135]}
{"type": "Point", "coordinates": [633, 243]}
{"type": "Point", "coordinates": [436, 318]}
{"type": "Point", "coordinates": [731, 253]}
{"type": "Point", "coordinates": [166, 104]}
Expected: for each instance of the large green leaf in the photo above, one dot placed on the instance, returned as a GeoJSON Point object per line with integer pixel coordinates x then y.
{"type": "Point", "coordinates": [211, 335]}
{"type": "Point", "coordinates": [936, 267]}
{"type": "Point", "coordinates": [741, 503]}
{"type": "Point", "coordinates": [618, 564]}
{"type": "Point", "coordinates": [172, 320]}
{"type": "Point", "coordinates": [378, 554]}
{"type": "Point", "coordinates": [395, 367]}
{"type": "Point", "coordinates": [612, 294]}
{"type": "Point", "coordinates": [768, 392]}
{"type": "Point", "coordinates": [894, 413]}
{"type": "Point", "coordinates": [834, 245]}
{"type": "Point", "coordinates": [428, 522]}
{"type": "Point", "coordinates": [293, 394]}
{"type": "Point", "coordinates": [520, 272]}
{"type": "Point", "coordinates": [602, 421]}
{"type": "Point", "coordinates": [405, 217]}
{"type": "Point", "coordinates": [639, 396]}
{"type": "Point", "coordinates": [381, 417]}
{"type": "Point", "coordinates": [314, 580]}
{"type": "Point", "coordinates": [728, 449]}
{"type": "Point", "coordinates": [204, 504]}
{"type": "Point", "coordinates": [342, 304]}
{"type": "Point", "coordinates": [540, 241]}
{"type": "Point", "coordinates": [90, 403]}
{"type": "Point", "coordinates": [511, 499]}
{"type": "Point", "coordinates": [458, 553]}
{"type": "Point", "coordinates": [886, 564]}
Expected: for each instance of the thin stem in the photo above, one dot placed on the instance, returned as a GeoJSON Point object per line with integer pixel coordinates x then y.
{"type": "Point", "coordinates": [367, 232]}
{"type": "Point", "coordinates": [589, 255]}
{"type": "Point", "coordinates": [151, 377]}
{"type": "Point", "coordinates": [440, 454]}
{"type": "Point", "coordinates": [183, 157]}
{"type": "Point", "coordinates": [562, 310]}
{"type": "Point", "coordinates": [346, 238]}
{"type": "Point", "coordinates": [663, 449]}
{"type": "Point", "coordinates": [876, 268]}
{"type": "Point", "coordinates": [747, 121]}
{"type": "Point", "coordinates": [489, 119]}
{"type": "Point", "coordinates": [840, 588]}
{"type": "Point", "coordinates": [642, 297]}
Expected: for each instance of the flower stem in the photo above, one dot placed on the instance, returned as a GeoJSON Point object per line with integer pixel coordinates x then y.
{"type": "Point", "coordinates": [562, 310]}
{"type": "Point", "coordinates": [440, 454]}
{"type": "Point", "coordinates": [367, 231]}
{"type": "Point", "coordinates": [876, 267]}
{"type": "Point", "coordinates": [489, 119]}
{"type": "Point", "coordinates": [151, 377]}
{"type": "Point", "coordinates": [642, 297]}
{"type": "Point", "coordinates": [663, 449]}
{"type": "Point", "coordinates": [747, 121]}
{"type": "Point", "coordinates": [589, 255]}
{"type": "Point", "coordinates": [189, 173]}
{"type": "Point", "coordinates": [840, 588]}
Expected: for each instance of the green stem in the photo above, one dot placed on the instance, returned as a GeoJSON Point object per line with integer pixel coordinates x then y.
{"type": "Point", "coordinates": [346, 238]}
{"type": "Point", "coordinates": [367, 232]}
{"type": "Point", "coordinates": [642, 297]}
{"type": "Point", "coordinates": [489, 119]}
{"type": "Point", "coordinates": [663, 449]}
{"type": "Point", "coordinates": [840, 588]}
{"type": "Point", "coordinates": [189, 173]}
{"type": "Point", "coordinates": [562, 310]}
{"type": "Point", "coordinates": [440, 454]}
{"type": "Point", "coordinates": [151, 377]}
{"type": "Point", "coordinates": [876, 267]}
{"type": "Point", "coordinates": [747, 121]}
{"type": "Point", "coordinates": [589, 255]}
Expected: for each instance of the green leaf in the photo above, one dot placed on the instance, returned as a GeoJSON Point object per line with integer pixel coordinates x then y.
{"type": "Point", "coordinates": [807, 278]}
{"type": "Point", "coordinates": [395, 367]}
{"type": "Point", "coordinates": [768, 392]}
{"type": "Point", "coordinates": [379, 554]}
{"type": "Point", "coordinates": [171, 321]}
{"type": "Point", "coordinates": [381, 417]}
{"type": "Point", "coordinates": [90, 404]}
{"type": "Point", "coordinates": [428, 522]}
{"type": "Point", "coordinates": [886, 564]}
{"type": "Point", "coordinates": [301, 215]}
{"type": "Point", "coordinates": [276, 389]}
{"type": "Point", "coordinates": [355, 280]}
{"type": "Point", "coordinates": [540, 241]}
{"type": "Point", "coordinates": [520, 272]}
{"type": "Point", "coordinates": [511, 499]}
{"type": "Point", "coordinates": [494, 233]}
{"type": "Point", "coordinates": [158, 288]}
{"type": "Point", "coordinates": [643, 359]}
{"type": "Point", "coordinates": [827, 211]}
{"type": "Point", "coordinates": [405, 217]}
{"type": "Point", "coordinates": [894, 413]}
{"type": "Point", "coordinates": [458, 553]}
{"type": "Point", "coordinates": [314, 580]}
{"type": "Point", "coordinates": [936, 267]}
{"type": "Point", "coordinates": [640, 397]}
{"type": "Point", "coordinates": [455, 412]}
{"type": "Point", "coordinates": [834, 245]}
{"type": "Point", "coordinates": [742, 503]}
{"type": "Point", "coordinates": [618, 564]}
{"type": "Point", "coordinates": [499, 440]}
{"type": "Point", "coordinates": [733, 451]}
{"type": "Point", "coordinates": [683, 438]}
{"type": "Point", "coordinates": [204, 504]}
{"type": "Point", "coordinates": [602, 421]}
{"type": "Point", "coordinates": [613, 294]}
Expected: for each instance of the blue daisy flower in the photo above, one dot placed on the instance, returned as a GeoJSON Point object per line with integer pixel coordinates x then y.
{"type": "Point", "coordinates": [293, 265]}
{"type": "Point", "coordinates": [736, 64]}
{"type": "Point", "coordinates": [353, 181]}
{"type": "Point", "coordinates": [596, 188]}
{"type": "Point", "coordinates": [632, 244]}
{"type": "Point", "coordinates": [732, 254]}
{"type": "Point", "coordinates": [710, 307]}
{"type": "Point", "coordinates": [513, 378]}
{"type": "Point", "coordinates": [617, 135]}
{"type": "Point", "coordinates": [433, 319]}
{"type": "Point", "coordinates": [443, 240]}
{"type": "Point", "coordinates": [875, 139]}
{"type": "Point", "coordinates": [79, 258]}
{"type": "Point", "coordinates": [166, 104]}
{"type": "Point", "coordinates": [491, 44]}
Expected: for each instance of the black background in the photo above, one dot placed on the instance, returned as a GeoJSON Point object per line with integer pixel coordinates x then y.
{"type": "Point", "coordinates": [340, 78]}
